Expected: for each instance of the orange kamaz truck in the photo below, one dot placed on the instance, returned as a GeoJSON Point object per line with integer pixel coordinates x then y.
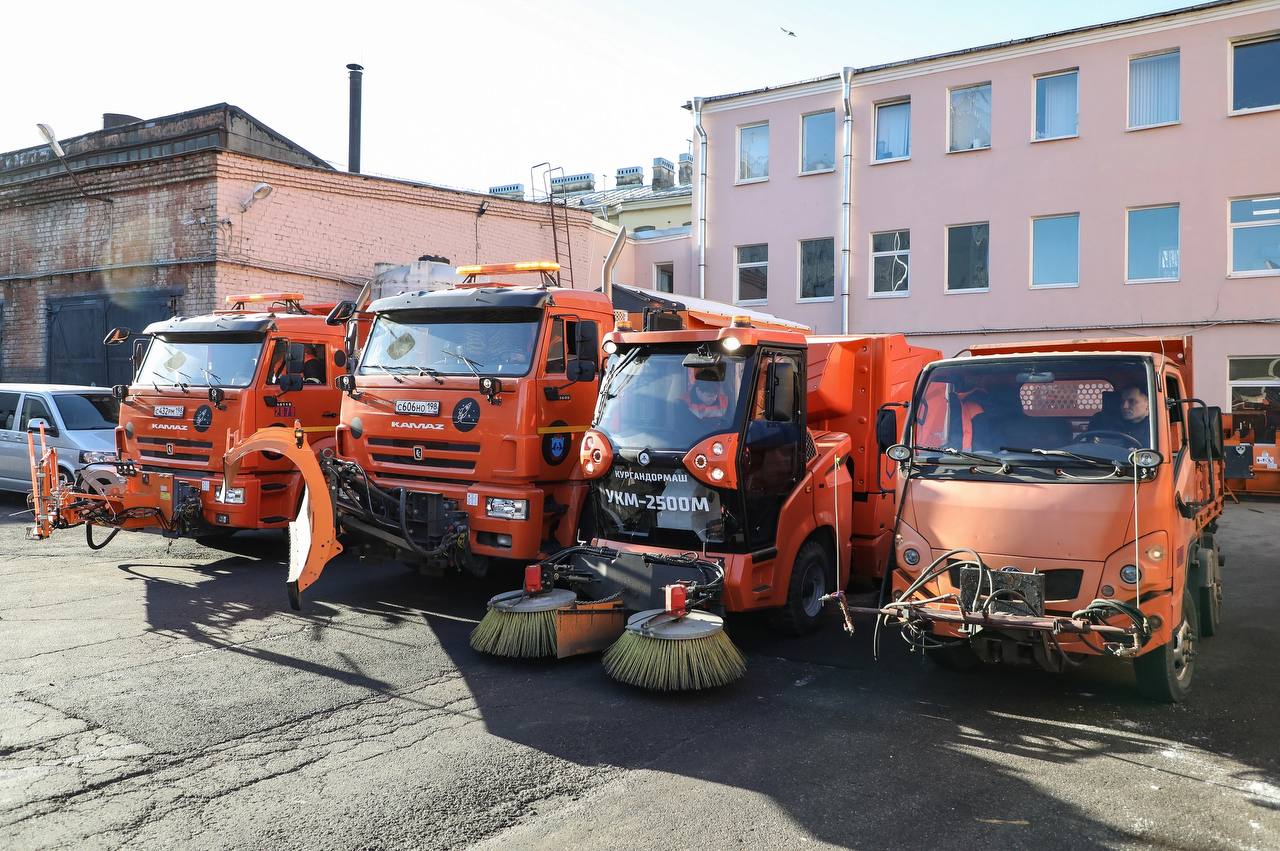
{"type": "Point", "coordinates": [200, 382]}
{"type": "Point", "coordinates": [1059, 500]}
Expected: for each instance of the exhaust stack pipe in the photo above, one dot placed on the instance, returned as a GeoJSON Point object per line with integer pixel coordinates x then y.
{"type": "Point", "coordinates": [353, 133]}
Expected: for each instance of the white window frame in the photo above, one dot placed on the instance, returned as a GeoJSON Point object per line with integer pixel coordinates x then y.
{"type": "Point", "coordinates": [1231, 238]}
{"type": "Point", "coordinates": [946, 142]}
{"type": "Point", "coordinates": [1036, 78]}
{"type": "Point", "coordinates": [1127, 211]}
{"type": "Point", "coordinates": [1231, 72]}
{"type": "Point", "coordinates": [737, 156]}
{"type": "Point", "coordinates": [835, 264]}
{"type": "Point", "coordinates": [1246, 382]}
{"type": "Point", "coordinates": [835, 154]}
{"type": "Point", "coordinates": [1031, 255]}
{"type": "Point", "coordinates": [875, 128]}
{"type": "Point", "coordinates": [946, 254]}
{"type": "Point", "coordinates": [1128, 89]}
{"type": "Point", "coordinates": [871, 268]}
{"type": "Point", "coordinates": [737, 267]}
{"type": "Point", "coordinates": [670, 263]}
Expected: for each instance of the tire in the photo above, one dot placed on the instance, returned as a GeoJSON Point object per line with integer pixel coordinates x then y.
{"type": "Point", "coordinates": [956, 657]}
{"type": "Point", "coordinates": [1165, 674]}
{"type": "Point", "coordinates": [809, 575]}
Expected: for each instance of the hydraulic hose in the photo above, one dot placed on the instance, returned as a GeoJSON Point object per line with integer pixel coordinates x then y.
{"type": "Point", "coordinates": [88, 537]}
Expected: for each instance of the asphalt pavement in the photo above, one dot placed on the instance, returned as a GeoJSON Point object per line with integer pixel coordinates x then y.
{"type": "Point", "coordinates": [161, 694]}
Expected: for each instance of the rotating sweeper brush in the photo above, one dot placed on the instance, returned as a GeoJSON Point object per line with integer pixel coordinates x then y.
{"type": "Point", "coordinates": [675, 648]}
{"type": "Point", "coordinates": [540, 621]}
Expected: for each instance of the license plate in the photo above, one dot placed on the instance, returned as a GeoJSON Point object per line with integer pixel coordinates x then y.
{"type": "Point", "coordinates": [430, 407]}
{"type": "Point", "coordinates": [174, 411]}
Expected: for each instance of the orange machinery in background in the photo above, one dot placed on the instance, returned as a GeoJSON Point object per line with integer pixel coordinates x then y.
{"type": "Point", "coordinates": [267, 360]}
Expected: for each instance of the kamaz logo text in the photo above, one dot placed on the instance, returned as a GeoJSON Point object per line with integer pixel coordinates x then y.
{"type": "Point", "coordinates": [432, 426]}
{"type": "Point", "coordinates": [168, 427]}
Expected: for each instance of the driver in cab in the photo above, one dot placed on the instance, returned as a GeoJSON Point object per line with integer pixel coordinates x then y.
{"type": "Point", "coordinates": [707, 400]}
{"type": "Point", "coordinates": [1134, 411]}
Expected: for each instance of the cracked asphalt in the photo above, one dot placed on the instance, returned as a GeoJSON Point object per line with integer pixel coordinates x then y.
{"type": "Point", "coordinates": [161, 694]}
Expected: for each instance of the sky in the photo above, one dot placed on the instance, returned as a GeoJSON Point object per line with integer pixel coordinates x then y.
{"type": "Point", "coordinates": [473, 94]}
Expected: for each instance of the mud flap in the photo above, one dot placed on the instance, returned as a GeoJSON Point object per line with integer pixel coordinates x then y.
{"type": "Point", "coordinates": [313, 541]}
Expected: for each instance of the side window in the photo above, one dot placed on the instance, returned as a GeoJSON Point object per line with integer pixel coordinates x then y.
{"type": "Point", "coordinates": [33, 407]}
{"type": "Point", "coordinates": [314, 370]}
{"type": "Point", "coordinates": [1173, 390]}
{"type": "Point", "coordinates": [9, 411]}
{"type": "Point", "coordinates": [555, 351]}
{"type": "Point", "coordinates": [279, 361]}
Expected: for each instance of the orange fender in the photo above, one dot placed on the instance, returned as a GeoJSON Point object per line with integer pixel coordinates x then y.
{"type": "Point", "coordinates": [313, 540]}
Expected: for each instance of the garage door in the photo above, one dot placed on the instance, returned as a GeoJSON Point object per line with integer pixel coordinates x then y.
{"type": "Point", "coordinates": [78, 324]}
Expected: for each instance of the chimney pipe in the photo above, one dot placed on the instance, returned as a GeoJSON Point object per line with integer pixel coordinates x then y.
{"type": "Point", "coordinates": [353, 133]}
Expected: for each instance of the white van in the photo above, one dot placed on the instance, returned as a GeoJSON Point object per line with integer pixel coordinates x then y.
{"type": "Point", "coordinates": [79, 421]}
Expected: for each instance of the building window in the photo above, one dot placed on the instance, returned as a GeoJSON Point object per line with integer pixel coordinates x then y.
{"type": "Point", "coordinates": [890, 263]}
{"type": "Point", "coordinates": [1154, 89]}
{"type": "Point", "coordinates": [1057, 105]}
{"type": "Point", "coordinates": [664, 277]}
{"type": "Point", "coordinates": [1255, 397]}
{"type": "Point", "coordinates": [752, 273]}
{"type": "Point", "coordinates": [1255, 73]}
{"type": "Point", "coordinates": [818, 142]}
{"type": "Point", "coordinates": [817, 268]}
{"type": "Point", "coordinates": [970, 118]}
{"type": "Point", "coordinates": [1255, 236]}
{"type": "Point", "coordinates": [753, 152]}
{"type": "Point", "coordinates": [1152, 244]}
{"type": "Point", "coordinates": [967, 256]}
{"type": "Point", "coordinates": [893, 130]}
{"type": "Point", "coordinates": [1055, 251]}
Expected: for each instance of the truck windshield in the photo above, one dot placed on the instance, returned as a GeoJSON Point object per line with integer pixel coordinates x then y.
{"type": "Point", "coordinates": [200, 362]}
{"type": "Point", "coordinates": [651, 399]}
{"type": "Point", "coordinates": [86, 411]}
{"type": "Point", "coordinates": [1035, 410]}
{"type": "Point", "coordinates": [452, 342]}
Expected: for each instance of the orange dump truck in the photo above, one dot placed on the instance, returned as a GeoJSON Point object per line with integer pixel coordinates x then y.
{"type": "Point", "coordinates": [268, 360]}
{"type": "Point", "coordinates": [1060, 500]}
{"type": "Point", "coordinates": [739, 463]}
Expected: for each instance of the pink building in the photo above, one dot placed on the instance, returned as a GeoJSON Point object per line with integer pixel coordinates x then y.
{"type": "Point", "coordinates": [1110, 180]}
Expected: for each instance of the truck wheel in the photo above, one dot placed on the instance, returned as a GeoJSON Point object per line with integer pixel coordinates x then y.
{"type": "Point", "coordinates": [808, 584]}
{"type": "Point", "coordinates": [1164, 674]}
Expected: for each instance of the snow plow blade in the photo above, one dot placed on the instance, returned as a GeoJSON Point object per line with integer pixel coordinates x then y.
{"type": "Point", "coordinates": [313, 540]}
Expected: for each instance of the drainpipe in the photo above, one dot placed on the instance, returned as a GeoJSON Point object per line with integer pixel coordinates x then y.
{"type": "Point", "coordinates": [846, 94]}
{"type": "Point", "coordinates": [702, 197]}
{"type": "Point", "coordinates": [611, 260]}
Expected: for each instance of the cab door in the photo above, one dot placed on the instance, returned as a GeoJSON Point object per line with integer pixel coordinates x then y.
{"type": "Point", "coordinates": [316, 403]}
{"type": "Point", "coordinates": [772, 459]}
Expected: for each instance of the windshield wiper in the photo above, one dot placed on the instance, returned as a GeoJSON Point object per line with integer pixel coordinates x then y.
{"type": "Point", "coordinates": [211, 374]}
{"type": "Point", "coordinates": [471, 364]}
{"type": "Point", "coordinates": [960, 453]}
{"type": "Point", "coordinates": [388, 369]}
{"type": "Point", "coordinates": [1064, 453]}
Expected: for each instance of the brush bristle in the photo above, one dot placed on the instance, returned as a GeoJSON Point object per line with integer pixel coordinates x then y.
{"type": "Point", "coordinates": [669, 665]}
{"type": "Point", "coordinates": [520, 635]}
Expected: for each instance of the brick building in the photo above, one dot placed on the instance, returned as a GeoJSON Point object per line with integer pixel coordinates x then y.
{"type": "Point", "coordinates": [168, 223]}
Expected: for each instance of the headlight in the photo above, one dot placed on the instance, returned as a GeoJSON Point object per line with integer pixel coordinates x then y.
{"type": "Point", "coordinates": [231, 496]}
{"type": "Point", "coordinates": [911, 556]}
{"type": "Point", "coordinates": [609, 347]}
{"type": "Point", "coordinates": [97, 457]}
{"type": "Point", "coordinates": [731, 344]}
{"type": "Point", "coordinates": [506, 509]}
{"type": "Point", "coordinates": [1130, 574]}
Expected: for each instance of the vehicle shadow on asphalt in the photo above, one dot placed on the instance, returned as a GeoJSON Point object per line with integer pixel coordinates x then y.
{"type": "Point", "coordinates": [853, 749]}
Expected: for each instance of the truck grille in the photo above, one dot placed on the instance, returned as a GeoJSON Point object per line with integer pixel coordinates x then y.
{"type": "Point", "coordinates": [157, 449]}
{"type": "Point", "coordinates": [439, 455]}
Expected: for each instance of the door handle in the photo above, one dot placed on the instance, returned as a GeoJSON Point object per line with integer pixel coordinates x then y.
{"type": "Point", "coordinates": [328, 415]}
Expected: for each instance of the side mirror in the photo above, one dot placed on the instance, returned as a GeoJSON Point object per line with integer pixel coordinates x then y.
{"type": "Point", "coordinates": [139, 352]}
{"type": "Point", "coordinates": [346, 382]}
{"type": "Point", "coordinates": [1204, 432]}
{"type": "Point", "coordinates": [116, 336]}
{"type": "Point", "coordinates": [587, 339]}
{"type": "Point", "coordinates": [119, 391]}
{"type": "Point", "coordinates": [342, 311]}
{"type": "Point", "coordinates": [36, 423]}
{"type": "Point", "coordinates": [290, 382]}
{"type": "Point", "coordinates": [296, 359]}
{"type": "Point", "coordinates": [886, 428]}
{"type": "Point", "coordinates": [780, 392]}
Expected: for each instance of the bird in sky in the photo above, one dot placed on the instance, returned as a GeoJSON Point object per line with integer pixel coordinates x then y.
{"type": "Point", "coordinates": [787, 31]}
